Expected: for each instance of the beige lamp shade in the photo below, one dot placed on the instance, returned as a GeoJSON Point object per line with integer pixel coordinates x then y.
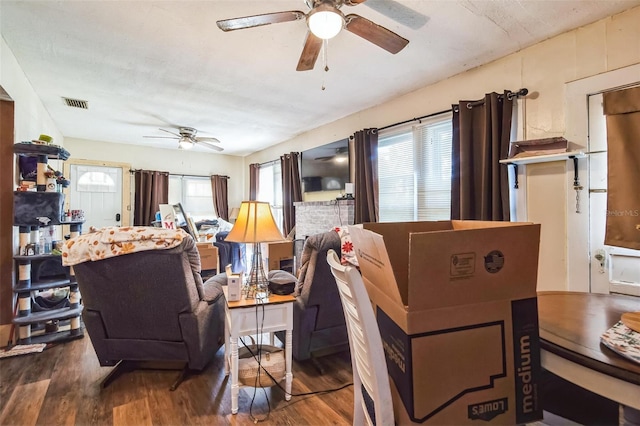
{"type": "Point", "coordinates": [254, 224]}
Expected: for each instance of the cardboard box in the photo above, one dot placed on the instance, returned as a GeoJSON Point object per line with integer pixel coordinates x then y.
{"type": "Point", "coordinates": [457, 310]}
{"type": "Point", "coordinates": [208, 256]}
{"type": "Point", "coordinates": [278, 255]}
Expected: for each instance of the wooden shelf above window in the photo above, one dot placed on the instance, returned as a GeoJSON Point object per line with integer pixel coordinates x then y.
{"type": "Point", "coordinates": [544, 158]}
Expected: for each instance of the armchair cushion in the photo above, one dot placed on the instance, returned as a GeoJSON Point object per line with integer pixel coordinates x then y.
{"type": "Point", "coordinates": [310, 259]}
{"type": "Point", "coordinates": [212, 290]}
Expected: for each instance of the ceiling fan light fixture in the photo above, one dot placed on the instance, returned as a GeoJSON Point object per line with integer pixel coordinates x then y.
{"type": "Point", "coordinates": [185, 143]}
{"type": "Point", "coordinates": [325, 21]}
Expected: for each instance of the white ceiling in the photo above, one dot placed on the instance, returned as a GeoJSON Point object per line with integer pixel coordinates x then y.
{"type": "Point", "coordinates": [145, 65]}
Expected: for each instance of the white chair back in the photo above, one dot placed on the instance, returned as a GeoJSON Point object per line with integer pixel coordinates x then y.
{"type": "Point", "coordinates": [372, 403]}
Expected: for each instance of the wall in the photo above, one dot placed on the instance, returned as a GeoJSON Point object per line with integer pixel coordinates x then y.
{"type": "Point", "coordinates": [169, 160]}
{"type": "Point", "coordinates": [544, 69]}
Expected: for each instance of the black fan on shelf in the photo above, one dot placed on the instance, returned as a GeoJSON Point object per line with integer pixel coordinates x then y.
{"type": "Point", "coordinates": [324, 20]}
{"type": "Point", "coordinates": [187, 138]}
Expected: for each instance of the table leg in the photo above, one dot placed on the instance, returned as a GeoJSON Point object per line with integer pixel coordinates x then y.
{"type": "Point", "coordinates": [287, 357]}
{"type": "Point", "coordinates": [226, 347]}
{"type": "Point", "coordinates": [234, 374]}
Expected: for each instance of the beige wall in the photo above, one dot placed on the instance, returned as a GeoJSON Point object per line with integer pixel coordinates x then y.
{"type": "Point", "coordinates": [31, 118]}
{"type": "Point", "coordinates": [544, 69]}
{"type": "Point", "coordinates": [169, 160]}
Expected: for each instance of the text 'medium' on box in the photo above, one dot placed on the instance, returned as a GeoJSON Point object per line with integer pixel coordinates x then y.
{"type": "Point", "coordinates": [457, 311]}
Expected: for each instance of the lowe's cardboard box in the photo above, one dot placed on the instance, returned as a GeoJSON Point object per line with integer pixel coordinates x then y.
{"type": "Point", "coordinates": [457, 310]}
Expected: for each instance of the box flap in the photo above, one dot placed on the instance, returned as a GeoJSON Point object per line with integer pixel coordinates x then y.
{"type": "Point", "coordinates": [374, 263]}
{"type": "Point", "coordinates": [396, 243]}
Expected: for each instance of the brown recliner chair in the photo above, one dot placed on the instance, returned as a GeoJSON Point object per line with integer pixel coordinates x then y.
{"type": "Point", "coordinates": [319, 327]}
{"type": "Point", "coordinates": [151, 306]}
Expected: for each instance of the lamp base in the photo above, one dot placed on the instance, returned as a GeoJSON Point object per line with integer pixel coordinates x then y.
{"type": "Point", "coordinates": [257, 285]}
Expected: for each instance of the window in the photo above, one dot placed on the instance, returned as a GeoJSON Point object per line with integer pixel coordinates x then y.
{"type": "Point", "coordinates": [270, 189]}
{"type": "Point", "coordinates": [195, 195]}
{"type": "Point", "coordinates": [414, 172]}
{"type": "Point", "coordinates": [91, 180]}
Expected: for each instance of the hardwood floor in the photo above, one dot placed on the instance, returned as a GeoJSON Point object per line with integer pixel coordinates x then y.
{"type": "Point", "coordinates": [61, 386]}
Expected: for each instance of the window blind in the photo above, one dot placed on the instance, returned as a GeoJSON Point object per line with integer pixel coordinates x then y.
{"type": "Point", "coordinates": [414, 172]}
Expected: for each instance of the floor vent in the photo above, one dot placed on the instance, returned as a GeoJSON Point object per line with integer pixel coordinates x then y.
{"type": "Point", "coordinates": [76, 103]}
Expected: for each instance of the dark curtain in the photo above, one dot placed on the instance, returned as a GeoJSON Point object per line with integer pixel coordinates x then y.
{"type": "Point", "coordinates": [291, 188]}
{"type": "Point", "coordinates": [219, 191]}
{"type": "Point", "coordinates": [151, 190]}
{"type": "Point", "coordinates": [254, 169]}
{"type": "Point", "coordinates": [481, 136]}
{"type": "Point", "coordinates": [365, 147]}
{"type": "Point", "coordinates": [622, 109]}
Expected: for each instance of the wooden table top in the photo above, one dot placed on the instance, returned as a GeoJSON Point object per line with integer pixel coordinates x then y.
{"type": "Point", "coordinates": [272, 300]}
{"type": "Point", "coordinates": [571, 324]}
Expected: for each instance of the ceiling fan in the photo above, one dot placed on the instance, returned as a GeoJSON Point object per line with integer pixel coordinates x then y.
{"type": "Point", "coordinates": [187, 138]}
{"type": "Point", "coordinates": [340, 155]}
{"type": "Point", "coordinates": [324, 20]}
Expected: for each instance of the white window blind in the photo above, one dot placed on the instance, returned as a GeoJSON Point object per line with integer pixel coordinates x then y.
{"type": "Point", "coordinates": [270, 189]}
{"type": "Point", "coordinates": [396, 180]}
{"type": "Point", "coordinates": [433, 149]}
{"type": "Point", "coordinates": [414, 172]}
{"type": "Point", "coordinates": [195, 195]}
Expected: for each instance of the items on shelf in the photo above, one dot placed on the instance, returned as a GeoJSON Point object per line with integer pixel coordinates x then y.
{"type": "Point", "coordinates": [533, 147]}
{"type": "Point", "coordinates": [48, 299]}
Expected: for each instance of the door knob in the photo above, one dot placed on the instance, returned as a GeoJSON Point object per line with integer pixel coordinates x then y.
{"type": "Point", "coordinates": [117, 217]}
{"type": "Point", "coordinates": [600, 257]}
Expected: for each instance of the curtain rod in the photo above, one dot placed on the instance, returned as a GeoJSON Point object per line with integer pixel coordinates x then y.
{"type": "Point", "coordinates": [198, 176]}
{"type": "Point", "coordinates": [175, 174]}
{"type": "Point", "coordinates": [414, 119]}
{"type": "Point", "coordinates": [268, 163]}
{"type": "Point", "coordinates": [510, 94]}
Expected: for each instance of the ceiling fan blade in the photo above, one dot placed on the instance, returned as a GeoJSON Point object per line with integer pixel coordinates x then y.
{"type": "Point", "coordinates": [169, 131]}
{"type": "Point", "coordinates": [353, 2]}
{"type": "Point", "coordinates": [209, 145]}
{"type": "Point", "coordinates": [206, 139]}
{"type": "Point", "coordinates": [259, 20]}
{"type": "Point", "coordinates": [161, 137]}
{"type": "Point", "coordinates": [376, 34]}
{"type": "Point", "coordinates": [310, 52]}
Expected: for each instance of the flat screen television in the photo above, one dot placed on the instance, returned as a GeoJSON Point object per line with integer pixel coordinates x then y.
{"type": "Point", "coordinates": [325, 169]}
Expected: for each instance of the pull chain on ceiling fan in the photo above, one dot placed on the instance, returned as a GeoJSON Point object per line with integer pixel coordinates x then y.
{"type": "Point", "coordinates": [325, 20]}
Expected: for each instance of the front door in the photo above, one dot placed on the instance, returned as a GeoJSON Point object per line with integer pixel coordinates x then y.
{"type": "Point", "coordinates": [98, 191]}
{"type": "Point", "coordinates": [613, 269]}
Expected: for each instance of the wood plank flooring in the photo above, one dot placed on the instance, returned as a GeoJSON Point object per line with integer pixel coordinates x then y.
{"type": "Point", "coordinates": [61, 386]}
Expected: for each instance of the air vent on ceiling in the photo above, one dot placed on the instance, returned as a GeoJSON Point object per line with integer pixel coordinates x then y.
{"type": "Point", "coordinates": [76, 103]}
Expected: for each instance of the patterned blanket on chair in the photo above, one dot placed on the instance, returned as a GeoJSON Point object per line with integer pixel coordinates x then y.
{"type": "Point", "coordinates": [115, 241]}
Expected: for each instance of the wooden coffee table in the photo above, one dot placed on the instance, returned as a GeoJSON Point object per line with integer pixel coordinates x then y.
{"type": "Point", "coordinates": [570, 328]}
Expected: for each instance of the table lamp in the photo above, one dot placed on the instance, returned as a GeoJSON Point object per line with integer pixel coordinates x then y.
{"type": "Point", "coordinates": [255, 225]}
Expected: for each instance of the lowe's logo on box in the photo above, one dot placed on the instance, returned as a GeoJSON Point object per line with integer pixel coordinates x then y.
{"type": "Point", "coordinates": [488, 410]}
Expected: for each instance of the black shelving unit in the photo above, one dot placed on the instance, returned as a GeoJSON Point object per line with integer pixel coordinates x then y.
{"type": "Point", "coordinates": [39, 272]}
